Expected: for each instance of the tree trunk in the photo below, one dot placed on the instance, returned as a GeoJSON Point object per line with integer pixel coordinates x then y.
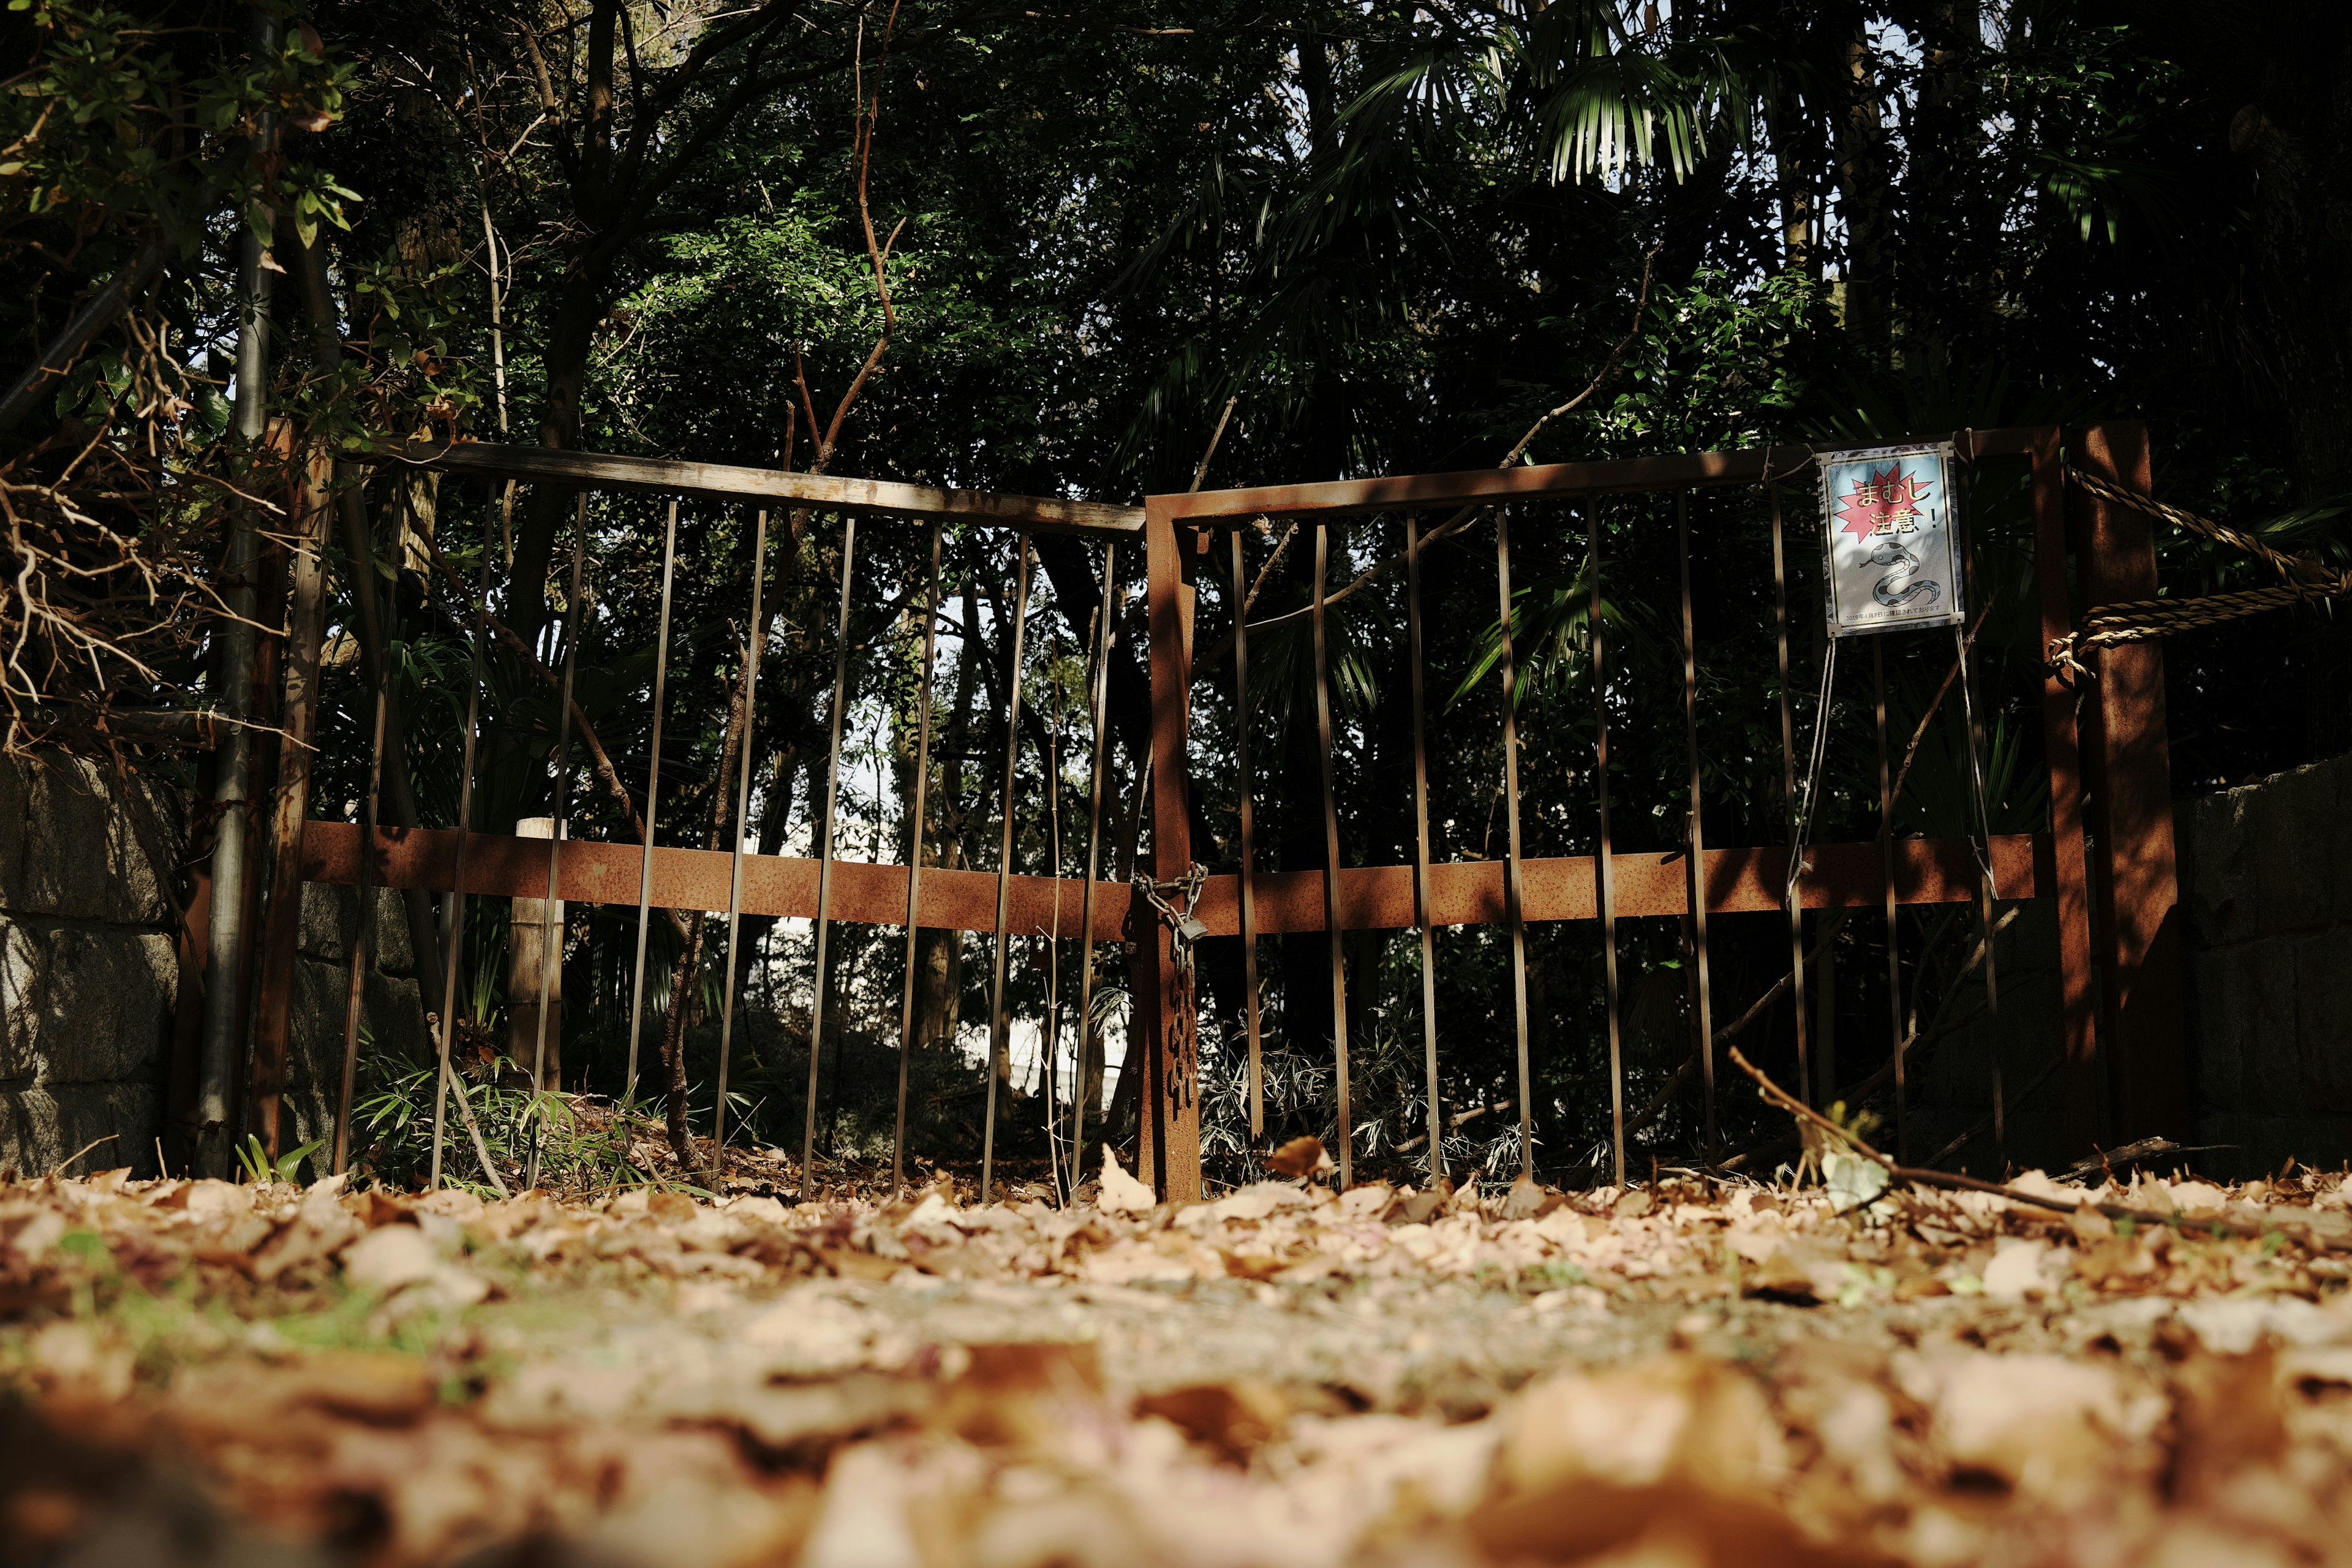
{"type": "Point", "coordinates": [1862, 186]}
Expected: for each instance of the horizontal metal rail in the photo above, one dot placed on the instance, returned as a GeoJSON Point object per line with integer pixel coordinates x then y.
{"type": "Point", "coordinates": [672, 476]}
{"type": "Point", "coordinates": [1550, 481]}
{"type": "Point", "coordinates": [1369, 898]}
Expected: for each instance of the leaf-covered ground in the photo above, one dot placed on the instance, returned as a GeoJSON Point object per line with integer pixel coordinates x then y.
{"type": "Point", "coordinates": [207, 1373]}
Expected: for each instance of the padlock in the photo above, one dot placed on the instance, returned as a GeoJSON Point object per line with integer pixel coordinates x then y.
{"type": "Point", "coordinates": [1191, 929]}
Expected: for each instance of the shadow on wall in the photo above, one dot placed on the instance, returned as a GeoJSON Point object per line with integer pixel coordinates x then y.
{"type": "Point", "coordinates": [2266, 891]}
{"type": "Point", "coordinates": [92, 876]}
{"type": "Point", "coordinates": [89, 865]}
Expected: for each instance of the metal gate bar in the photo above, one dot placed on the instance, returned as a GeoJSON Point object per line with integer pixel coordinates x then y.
{"type": "Point", "coordinates": [755, 638]}
{"type": "Point", "coordinates": [1608, 886]}
{"type": "Point", "coordinates": [1249, 829]}
{"type": "Point", "coordinates": [2051, 864]}
{"type": "Point", "coordinates": [1420, 858]}
{"type": "Point", "coordinates": [1604, 879]}
{"type": "Point", "coordinates": [999, 1041]}
{"type": "Point", "coordinates": [915, 861]}
{"type": "Point", "coordinates": [825, 867]}
{"type": "Point", "coordinates": [1697, 836]}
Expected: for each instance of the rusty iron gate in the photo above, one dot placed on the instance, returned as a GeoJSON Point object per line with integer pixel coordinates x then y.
{"type": "Point", "coordinates": [2105, 857]}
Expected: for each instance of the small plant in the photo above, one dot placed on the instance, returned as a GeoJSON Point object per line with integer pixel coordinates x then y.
{"type": "Point", "coordinates": [261, 1170]}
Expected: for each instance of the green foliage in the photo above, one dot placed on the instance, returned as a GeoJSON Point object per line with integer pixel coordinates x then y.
{"type": "Point", "coordinates": [260, 1168]}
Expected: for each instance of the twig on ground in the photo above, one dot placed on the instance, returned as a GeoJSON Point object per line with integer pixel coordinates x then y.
{"type": "Point", "coordinates": [1775, 1094]}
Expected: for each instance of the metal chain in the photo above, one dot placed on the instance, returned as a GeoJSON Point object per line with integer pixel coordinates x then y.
{"type": "Point", "coordinates": [1186, 929]}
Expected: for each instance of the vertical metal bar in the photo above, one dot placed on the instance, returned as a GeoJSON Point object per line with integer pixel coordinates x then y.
{"type": "Point", "coordinates": [1697, 868]}
{"type": "Point", "coordinates": [757, 636]}
{"type": "Point", "coordinates": [998, 1043]}
{"type": "Point", "coordinates": [653, 802]}
{"type": "Point", "coordinates": [2062, 744]}
{"type": "Point", "coordinates": [1248, 827]}
{"type": "Point", "coordinates": [455, 944]}
{"type": "Point", "coordinates": [1514, 904]}
{"type": "Point", "coordinates": [1170, 1059]}
{"type": "Point", "coordinates": [915, 862]}
{"type": "Point", "coordinates": [1789, 800]}
{"type": "Point", "coordinates": [1331, 861]}
{"type": "Point", "coordinates": [1420, 852]}
{"type": "Point", "coordinates": [1605, 878]}
{"type": "Point", "coordinates": [363, 954]}
{"type": "Point", "coordinates": [550, 947]}
{"type": "Point", "coordinates": [2127, 761]}
{"type": "Point", "coordinates": [1106, 634]}
{"type": "Point", "coordinates": [824, 855]}
{"type": "Point", "coordinates": [1886, 880]}
{"type": "Point", "coordinates": [305, 633]}
{"type": "Point", "coordinates": [1986, 892]}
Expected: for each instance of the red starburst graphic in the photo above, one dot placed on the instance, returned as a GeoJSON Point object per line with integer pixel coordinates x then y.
{"type": "Point", "coordinates": [1881, 502]}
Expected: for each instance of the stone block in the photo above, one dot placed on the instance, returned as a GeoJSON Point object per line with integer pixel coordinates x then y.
{"type": "Point", "coordinates": [85, 1005]}
{"type": "Point", "coordinates": [23, 975]}
{"type": "Point", "coordinates": [107, 1009]}
{"type": "Point", "coordinates": [2256, 1144]}
{"type": "Point", "coordinates": [328, 923]}
{"type": "Point", "coordinates": [2272, 1065]}
{"type": "Point", "coordinates": [2217, 891]}
{"type": "Point", "coordinates": [392, 1022]}
{"type": "Point", "coordinates": [2217, 1014]}
{"type": "Point", "coordinates": [2290, 820]}
{"type": "Point", "coordinates": [2323, 1026]}
{"type": "Point", "coordinates": [146, 837]}
{"type": "Point", "coordinates": [45, 1127]}
{"type": "Point", "coordinates": [76, 843]}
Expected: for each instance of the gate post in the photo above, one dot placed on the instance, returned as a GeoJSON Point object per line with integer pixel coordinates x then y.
{"type": "Point", "coordinates": [2129, 769]}
{"type": "Point", "coordinates": [2061, 745]}
{"type": "Point", "coordinates": [1171, 1087]}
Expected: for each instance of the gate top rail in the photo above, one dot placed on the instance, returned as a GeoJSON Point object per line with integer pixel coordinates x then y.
{"type": "Point", "coordinates": [608, 471]}
{"type": "Point", "coordinates": [1405, 492]}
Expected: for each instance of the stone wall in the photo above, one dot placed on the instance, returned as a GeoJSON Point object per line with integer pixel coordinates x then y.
{"type": "Point", "coordinates": [2266, 897]}
{"type": "Point", "coordinates": [90, 884]}
{"type": "Point", "coordinates": [89, 965]}
{"type": "Point", "coordinates": [391, 1014]}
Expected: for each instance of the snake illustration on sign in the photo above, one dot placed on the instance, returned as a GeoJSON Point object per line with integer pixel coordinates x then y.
{"type": "Point", "coordinates": [1889, 538]}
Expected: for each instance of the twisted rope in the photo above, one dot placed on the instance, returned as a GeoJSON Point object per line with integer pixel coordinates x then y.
{"type": "Point", "coordinates": [2140, 620]}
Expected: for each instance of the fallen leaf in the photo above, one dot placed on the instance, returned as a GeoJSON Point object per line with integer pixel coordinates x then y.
{"type": "Point", "coordinates": [1120, 1193]}
{"type": "Point", "coordinates": [1302, 1157]}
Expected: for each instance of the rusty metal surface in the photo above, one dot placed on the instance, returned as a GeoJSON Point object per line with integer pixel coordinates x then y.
{"type": "Point", "coordinates": [273, 984]}
{"type": "Point", "coordinates": [1604, 859]}
{"type": "Point", "coordinates": [1099, 704]}
{"type": "Point", "coordinates": [608, 471]}
{"type": "Point", "coordinates": [1407, 493]}
{"type": "Point", "coordinates": [1436, 1132]}
{"type": "Point", "coordinates": [550, 942]}
{"type": "Point", "coordinates": [1331, 861]}
{"type": "Point", "coordinates": [364, 937]}
{"type": "Point", "coordinates": [1896, 1044]}
{"type": "Point", "coordinates": [1371, 898]}
{"type": "Point", "coordinates": [653, 799]}
{"type": "Point", "coordinates": [2128, 777]}
{"type": "Point", "coordinates": [1514, 883]}
{"type": "Point", "coordinates": [999, 1043]}
{"type": "Point", "coordinates": [915, 846]}
{"type": "Point", "coordinates": [455, 946]}
{"type": "Point", "coordinates": [1789, 799]}
{"type": "Point", "coordinates": [1697, 835]}
{"type": "Point", "coordinates": [1171, 1116]}
{"type": "Point", "coordinates": [825, 867]}
{"type": "Point", "coordinates": [2063, 749]}
{"type": "Point", "coordinates": [1248, 815]}
{"type": "Point", "coordinates": [755, 637]}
